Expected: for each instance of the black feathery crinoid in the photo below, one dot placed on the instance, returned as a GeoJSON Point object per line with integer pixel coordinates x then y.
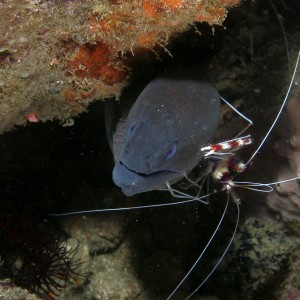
{"type": "Point", "coordinates": [31, 255]}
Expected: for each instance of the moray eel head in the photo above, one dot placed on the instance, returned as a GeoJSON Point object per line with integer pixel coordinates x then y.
{"type": "Point", "coordinates": [174, 116]}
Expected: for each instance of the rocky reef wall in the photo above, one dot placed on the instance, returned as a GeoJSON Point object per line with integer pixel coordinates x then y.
{"type": "Point", "coordinates": [58, 56]}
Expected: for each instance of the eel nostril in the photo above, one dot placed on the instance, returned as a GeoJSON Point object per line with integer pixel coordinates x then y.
{"type": "Point", "coordinates": [127, 150]}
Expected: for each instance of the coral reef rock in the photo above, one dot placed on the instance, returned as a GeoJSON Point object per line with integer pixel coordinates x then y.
{"type": "Point", "coordinates": [263, 255]}
{"type": "Point", "coordinates": [9, 291]}
{"type": "Point", "coordinates": [58, 56]}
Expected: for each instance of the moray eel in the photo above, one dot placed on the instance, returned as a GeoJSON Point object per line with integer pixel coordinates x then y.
{"type": "Point", "coordinates": [173, 117]}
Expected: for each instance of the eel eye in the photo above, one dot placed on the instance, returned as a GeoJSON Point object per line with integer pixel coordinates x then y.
{"type": "Point", "coordinates": [132, 127]}
{"type": "Point", "coordinates": [170, 151]}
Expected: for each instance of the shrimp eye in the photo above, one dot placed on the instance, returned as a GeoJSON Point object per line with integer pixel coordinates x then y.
{"type": "Point", "coordinates": [170, 151]}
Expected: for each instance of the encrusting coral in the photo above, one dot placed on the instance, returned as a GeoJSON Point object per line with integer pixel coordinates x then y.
{"type": "Point", "coordinates": [58, 56]}
{"type": "Point", "coordinates": [263, 253]}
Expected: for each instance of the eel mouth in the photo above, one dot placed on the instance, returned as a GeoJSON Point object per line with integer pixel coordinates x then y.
{"type": "Point", "coordinates": [132, 182]}
{"type": "Point", "coordinates": [160, 172]}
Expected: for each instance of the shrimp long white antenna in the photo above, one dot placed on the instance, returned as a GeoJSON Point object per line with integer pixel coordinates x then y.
{"type": "Point", "coordinates": [204, 250]}
{"type": "Point", "coordinates": [265, 187]}
{"type": "Point", "coordinates": [224, 253]}
{"type": "Point", "coordinates": [238, 112]}
{"type": "Point", "coordinates": [250, 123]}
{"type": "Point", "coordinates": [279, 113]}
{"type": "Point", "coordinates": [198, 199]}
